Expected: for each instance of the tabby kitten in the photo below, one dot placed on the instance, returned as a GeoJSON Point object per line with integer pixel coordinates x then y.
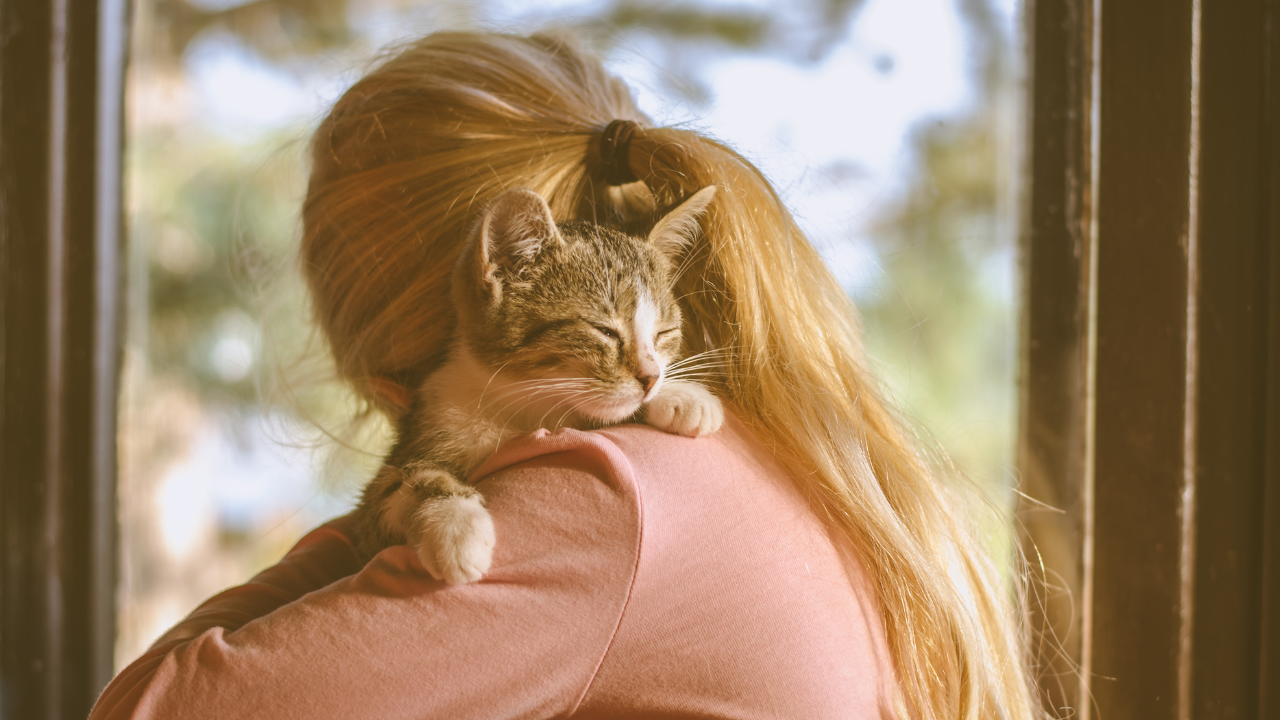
{"type": "Point", "coordinates": [558, 326]}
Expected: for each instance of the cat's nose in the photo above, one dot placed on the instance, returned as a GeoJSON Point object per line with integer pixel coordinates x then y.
{"type": "Point", "coordinates": [647, 381]}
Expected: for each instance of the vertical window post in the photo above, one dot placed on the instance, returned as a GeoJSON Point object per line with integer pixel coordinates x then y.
{"type": "Point", "coordinates": [61, 90]}
{"type": "Point", "coordinates": [1055, 262]}
{"type": "Point", "coordinates": [1151, 356]}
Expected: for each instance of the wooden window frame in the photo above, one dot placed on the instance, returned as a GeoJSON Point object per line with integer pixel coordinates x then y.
{"type": "Point", "coordinates": [61, 133]}
{"type": "Point", "coordinates": [1150, 382]}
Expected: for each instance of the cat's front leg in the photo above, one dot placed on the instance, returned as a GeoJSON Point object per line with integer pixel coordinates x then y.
{"type": "Point", "coordinates": [447, 524]}
{"type": "Point", "coordinates": [684, 408]}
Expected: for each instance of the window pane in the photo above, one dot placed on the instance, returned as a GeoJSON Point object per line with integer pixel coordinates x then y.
{"type": "Point", "coordinates": [890, 127]}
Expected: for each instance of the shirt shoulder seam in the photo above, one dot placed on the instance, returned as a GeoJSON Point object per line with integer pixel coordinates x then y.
{"type": "Point", "coordinates": [630, 474]}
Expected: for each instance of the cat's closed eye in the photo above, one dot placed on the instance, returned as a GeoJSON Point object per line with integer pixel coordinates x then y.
{"type": "Point", "coordinates": [606, 331]}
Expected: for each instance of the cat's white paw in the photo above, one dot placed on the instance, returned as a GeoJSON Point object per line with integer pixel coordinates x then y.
{"type": "Point", "coordinates": [685, 409]}
{"type": "Point", "coordinates": [455, 538]}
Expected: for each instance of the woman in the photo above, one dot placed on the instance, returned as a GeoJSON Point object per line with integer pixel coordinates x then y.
{"type": "Point", "coordinates": [809, 560]}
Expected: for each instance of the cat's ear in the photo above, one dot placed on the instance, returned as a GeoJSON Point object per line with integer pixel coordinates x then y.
{"type": "Point", "coordinates": [516, 227]}
{"type": "Point", "coordinates": [679, 227]}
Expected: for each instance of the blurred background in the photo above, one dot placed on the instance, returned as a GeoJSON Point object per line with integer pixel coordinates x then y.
{"type": "Point", "coordinates": [891, 127]}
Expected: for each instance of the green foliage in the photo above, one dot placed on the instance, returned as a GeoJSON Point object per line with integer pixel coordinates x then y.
{"type": "Point", "coordinates": [943, 336]}
{"type": "Point", "coordinates": [213, 226]}
{"type": "Point", "coordinates": [743, 29]}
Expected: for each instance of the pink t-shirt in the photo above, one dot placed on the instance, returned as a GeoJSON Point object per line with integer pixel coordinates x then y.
{"type": "Point", "coordinates": [636, 575]}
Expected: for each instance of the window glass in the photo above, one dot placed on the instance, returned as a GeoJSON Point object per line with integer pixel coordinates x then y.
{"type": "Point", "coordinates": [890, 127]}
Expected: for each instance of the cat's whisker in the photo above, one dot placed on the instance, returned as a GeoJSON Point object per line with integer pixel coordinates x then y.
{"type": "Point", "coordinates": [685, 372]}
{"type": "Point", "coordinates": [537, 394]}
{"type": "Point", "coordinates": [540, 389]}
{"type": "Point", "coordinates": [512, 397]}
{"type": "Point", "coordinates": [550, 384]}
{"type": "Point", "coordinates": [702, 364]}
{"type": "Point", "coordinates": [704, 358]}
{"type": "Point", "coordinates": [705, 353]}
{"type": "Point", "coordinates": [560, 421]}
{"type": "Point", "coordinates": [540, 384]}
{"type": "Point", "coordinates": [683, 363]}
{"type": "Point", "coordinates": [550, 380]}
{"type": "Point", "coordinates": [531, 396]}
{"type": "Point", "coordinates": [515, 413]}
{"type": "Point", "coordinates": [507, 393]}
{"type": "Point", "coordinates": [511, 416]}
{"type": "Point", "coordinates": [694, 370]}
{"type": "Point", "coordinates": [697, 368]}
{"type": "Point", "coordinates": [700, 368]}
{"type": "Point", "coordinates": [569, 399]}
{"type": "Point", "coordinates": [480, 401]}
{"type": "Point", "coordinates": [524, 386]}
{"type": "Point", "coordinates": [696, 377]}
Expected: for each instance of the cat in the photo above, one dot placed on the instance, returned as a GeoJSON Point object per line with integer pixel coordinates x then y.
{"type": "Point", "coordinates": [570, 325]}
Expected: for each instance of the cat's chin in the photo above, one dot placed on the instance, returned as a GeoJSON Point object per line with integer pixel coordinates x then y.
{"type": "Point", "coordinates": [609, 412]}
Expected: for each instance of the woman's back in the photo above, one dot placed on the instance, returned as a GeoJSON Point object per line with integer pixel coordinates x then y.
{"type": "Point", "coordinates": [637, 574]}
{"type": "Point", "coordinates": [741, 605]}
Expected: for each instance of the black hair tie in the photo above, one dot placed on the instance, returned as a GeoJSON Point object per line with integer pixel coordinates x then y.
{"type": "Point", "coordinates": [615, 148]}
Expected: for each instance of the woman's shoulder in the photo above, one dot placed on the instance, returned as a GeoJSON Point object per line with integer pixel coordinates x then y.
{"type": "Point", "coordinates": [647, 494]}
{"type": "Point", "coordinates": [674, 495]}
{"type": "Point", "coordinates": [740, 603]}
{"type": "Point", "coordinates": [651, 466]}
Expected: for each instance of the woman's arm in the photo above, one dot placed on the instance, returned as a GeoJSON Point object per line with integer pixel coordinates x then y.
{"type": "Point", "coordinates": [320, 558]}
{"type": "Point", "coordinates": [387, 641]}
{"type": "Point", "coordinates": [324, 556]}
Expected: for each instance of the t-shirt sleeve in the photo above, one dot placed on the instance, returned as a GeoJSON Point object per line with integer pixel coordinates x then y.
{"type": "Point", "coordinates": [322, 557]}
{"type": "Point", "coordinates": [319, 636]}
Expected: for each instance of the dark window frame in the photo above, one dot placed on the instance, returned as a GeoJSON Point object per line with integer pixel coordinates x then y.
{"type": "Point", "coordinates": [1150, 381]}
{"type": "Point", "coordinates": [61, 133]}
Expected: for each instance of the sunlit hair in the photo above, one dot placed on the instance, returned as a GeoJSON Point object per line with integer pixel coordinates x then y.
{"type": "Point", "coordinates": [411, 154]}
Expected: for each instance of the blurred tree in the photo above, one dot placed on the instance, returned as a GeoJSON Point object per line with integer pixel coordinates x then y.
{"type": "Point", "coordinates": [943, 325]}
{"type": "Point", "coordinates": [943, 336]}
{"type": "Point", "coordinates": [284, 30]}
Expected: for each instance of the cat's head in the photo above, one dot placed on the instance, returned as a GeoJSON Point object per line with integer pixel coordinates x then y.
{"type": "Point", "coordinates": [574, 317]}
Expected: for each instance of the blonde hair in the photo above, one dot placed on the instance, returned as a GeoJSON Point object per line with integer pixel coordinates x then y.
{"type": "Point", "coordinates": [417, 147]}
